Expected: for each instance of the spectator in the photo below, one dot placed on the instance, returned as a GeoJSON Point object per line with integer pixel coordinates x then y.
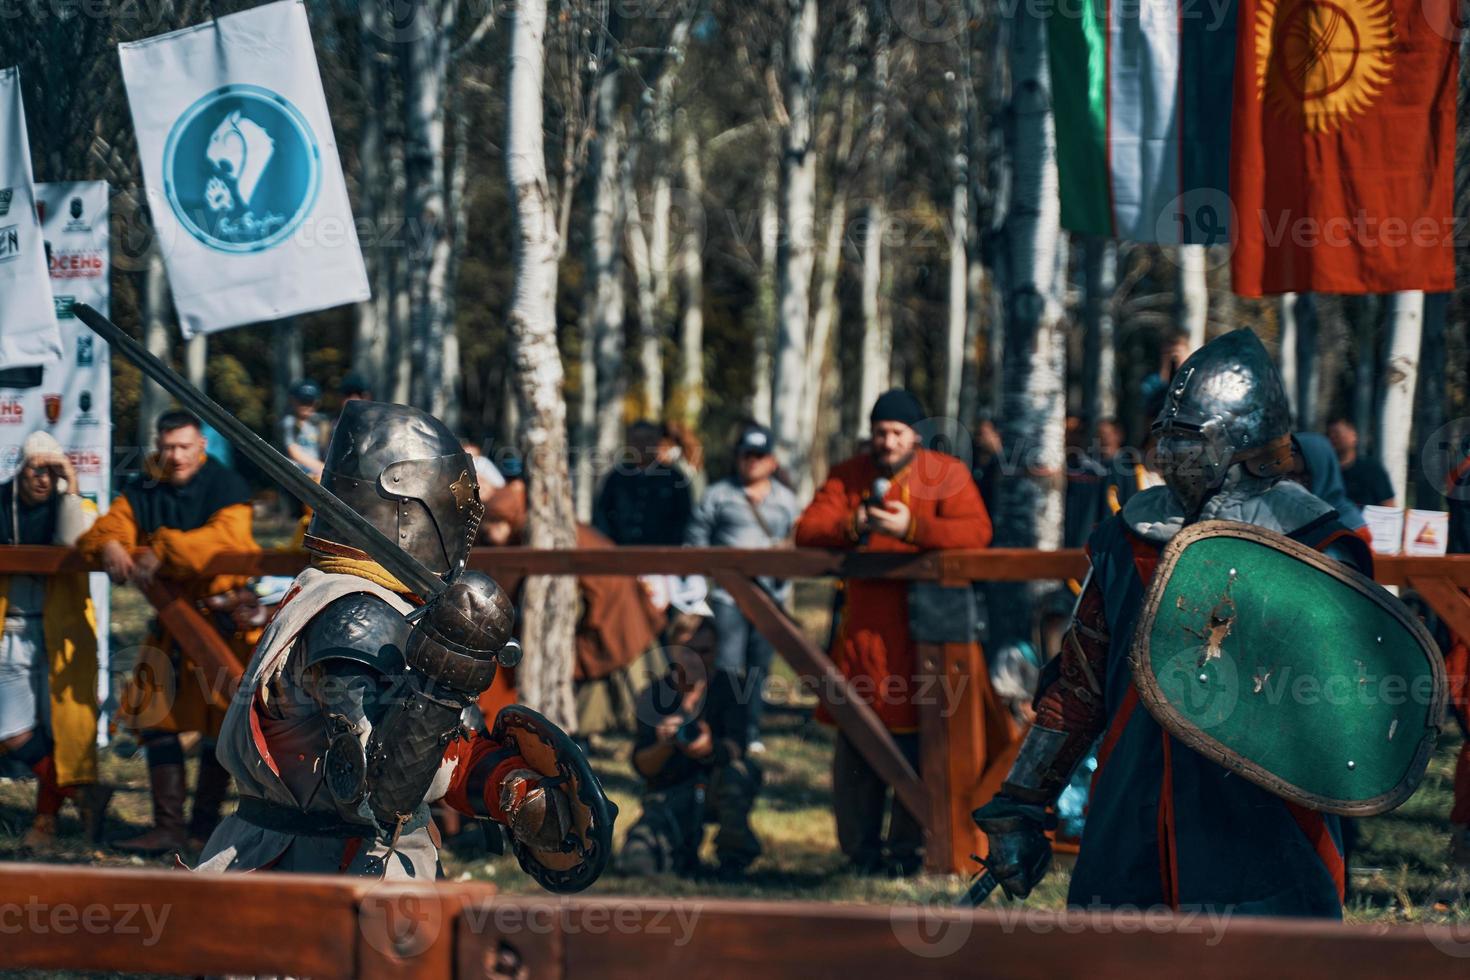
{"type": "Point", "coordinates": [1125, 470]}
{"type": "Point", "coordinates": [928, 500]}
{"type": "Point", "coordinates": [1085, 499]}
{"type": "Point", "coordinates": [747, 510]}
{"type": "Point", "coordinates": [689, 751]}
{"type": "Point", "coordinates": [305, 431]}
{"type": "Point", "coordinates": [617, 627]}
{"type": "Point", "coordinates": [48, 645]}
{"type": "Point", "coordinates": [1173, 349]}
{"type": "Point", "coordinates": [986, 466]}
{"type": "Point", "coordinates": [1366, 480]}
{"type": "Point", "coordinates": [1315, 466]}
{"type": "Point", "coordinates": [487, 475]}
{"type": "Point", "coordinates": [354, 386]}
{"type": "Point", "coordinates": [182, 511]}
{"type": "Point", "coordinates": [645, 500]}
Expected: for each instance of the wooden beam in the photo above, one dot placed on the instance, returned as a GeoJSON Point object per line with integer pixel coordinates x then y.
{"type": "Point", "coordinates": [200, 642]}
{"type": "Point", "coordinates": [855, 717]}
{"type": "Point", "coordinates": [952, 748]}
{"type": "Point", "coordinates": [1446, 599]}
{"type": "Point", "coordinates": [641, 938]}
{"type": "Point", "coordinates": [990, 564]}
{"type": "Point", "coordinates": [108, 920]}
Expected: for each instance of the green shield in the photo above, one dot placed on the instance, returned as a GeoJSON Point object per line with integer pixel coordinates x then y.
{"type": "Point", "coordinates": [1289, 668]}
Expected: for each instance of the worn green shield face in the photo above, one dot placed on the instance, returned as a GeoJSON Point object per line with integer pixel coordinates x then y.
{"type": "Point", "coordinates": [1288, 668]}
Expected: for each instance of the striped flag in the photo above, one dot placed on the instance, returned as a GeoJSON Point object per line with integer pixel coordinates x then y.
{"type": "Point", "coordinates": [1142, 97]}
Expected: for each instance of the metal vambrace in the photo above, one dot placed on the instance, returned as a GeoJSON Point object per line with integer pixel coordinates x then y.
{"type": "Point", "coordinates": [406, 750]}
{"type": "Point", "coordinates": [452, 655]}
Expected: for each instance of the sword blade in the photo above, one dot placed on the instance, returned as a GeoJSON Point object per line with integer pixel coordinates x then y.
{"type": "Point", "coordinates": [406, 568]}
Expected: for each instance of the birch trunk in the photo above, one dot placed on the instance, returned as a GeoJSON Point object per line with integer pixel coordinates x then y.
{"type": "Point", "coordinates": [457, 245]}
{"type": "Point", "coordinates": [1429, 411]}
{"type": "Point", "coordinates": [873, 372]}
{"type": "Point", "coordinates": [424, 59]}
{"type": "Point", "coordinates": [1298, 318]}
{"type": "Point", "coordinates": [369, 318]}
{"type": "Point", "coordinates": [196, 361]}
{"type": "Point", "coordinates": [1192, 294]}
{"type": "Point", "coordinates": [796, 251]}
{"type": "Point", "coordinates": [650, 355]}
{"type": "Point", "coordinates": [153, 400]}
{"type": "Point", "coordinates": [957, 318]}
{"type": "Point", "coordinates": [1029, 504]}
{"type": "Point", "coordinates": [605, 268]}
{"type": "Point", "coordinates": [1099, 366]}
{"type": "Point", "coordinates": [691, 275]}
{"type": "Point", "coordinates": [549, 604]}
{"type": "Point", "coordinates": [763, 329]}
{"type": "Point", "coordinates": [820, 363]}
{"type": "Point", "coordinates": [400, 298]}
{"type": "Point", "coordinates": [1403, 322]}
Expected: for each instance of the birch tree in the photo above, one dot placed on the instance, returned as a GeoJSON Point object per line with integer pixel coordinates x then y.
{"type": "Point", "coordinates": [424, 65]}
{"type": "Point", "coordinates": [795, 253]}
{"type": "Point", "coordinates": [1099, 367]}
{"type": "Point", "coordinates": [1403, 322]}
{"type": "Point", "coordinates": [1029, 502]}
{"type": "Point", "coordinates": [690, 264]}
{"type": "Point", "coordinates": [549, 603]}
{"type": "Point", "coordinates": [1192, 295]}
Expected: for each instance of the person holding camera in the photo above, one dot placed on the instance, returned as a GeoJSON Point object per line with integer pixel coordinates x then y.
{"type": "Point", "coordinates": [48, 645]}
{"type": "Point", "coordinates": [690, 751]}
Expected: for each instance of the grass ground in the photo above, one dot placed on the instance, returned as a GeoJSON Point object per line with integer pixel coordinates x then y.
{"type": "Point", "coordinates": [1395, 873]}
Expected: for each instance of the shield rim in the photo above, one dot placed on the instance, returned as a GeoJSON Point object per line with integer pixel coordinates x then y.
{"type": "Point", "coordinates": [603, 811]}
{"type": "Point", "coordinates": [1193, 737]}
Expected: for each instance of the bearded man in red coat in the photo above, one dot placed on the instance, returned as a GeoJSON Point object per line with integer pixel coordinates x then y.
{"type": "Point", "coordinates": [928, 501]}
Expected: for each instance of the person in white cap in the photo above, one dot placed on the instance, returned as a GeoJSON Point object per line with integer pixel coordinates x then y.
{"type": "Point", "coordinates": [48, 645]}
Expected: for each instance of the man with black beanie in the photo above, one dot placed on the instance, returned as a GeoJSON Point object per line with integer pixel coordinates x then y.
{"type": "Point", "coordinates": [895, 497]}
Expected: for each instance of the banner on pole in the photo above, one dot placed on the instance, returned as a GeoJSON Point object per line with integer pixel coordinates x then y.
{"type": "Point", "coordinates": [73, 400]}
{"type": "Point", "coordinates": [29, 336]}
{"type": "Point", "coordinates": [241, 169]}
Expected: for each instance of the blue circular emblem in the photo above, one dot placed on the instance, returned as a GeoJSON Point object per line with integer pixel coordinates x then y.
{"type": "Point", "coordinates": [241, 169]}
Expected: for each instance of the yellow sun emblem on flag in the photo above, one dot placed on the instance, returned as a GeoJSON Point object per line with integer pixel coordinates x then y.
{"type": "Point", "coordinates": [1323, 61]}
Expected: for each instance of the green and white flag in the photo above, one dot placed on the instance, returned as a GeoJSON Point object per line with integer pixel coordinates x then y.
{"type": "Point", "coordinates": [1142, 96]}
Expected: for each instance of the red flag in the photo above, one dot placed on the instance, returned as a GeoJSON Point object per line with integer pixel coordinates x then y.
{"type": "Point", "coordinates": [1343, 146]}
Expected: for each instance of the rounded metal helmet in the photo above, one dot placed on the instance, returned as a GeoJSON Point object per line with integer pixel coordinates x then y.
{"type": "Point", "coordinates": [403, 470]}
{"type": "Point", "coordinates": [1225, 405]}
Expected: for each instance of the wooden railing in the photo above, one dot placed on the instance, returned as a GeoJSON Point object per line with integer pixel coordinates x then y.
{"type": "Point", "coordinates": [167, 922]}
{"type": "Point", "coordinates": [960, 769]}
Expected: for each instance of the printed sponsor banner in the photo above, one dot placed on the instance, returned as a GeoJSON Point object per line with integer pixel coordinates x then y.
{"type": "Point", "coordinates": [73, 400]}
{"type": "Point", "coordinates": [1426, 533]}
{"type": "Point", "coordinates": [29, 336]}
{"type": "Point", "coordinates": [241, 169]}
{"type": "Point", "coordinates": [1386, 525]}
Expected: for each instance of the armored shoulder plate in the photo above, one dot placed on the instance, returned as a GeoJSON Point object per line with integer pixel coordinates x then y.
{"type": "Point", "coordinates": [361, 628]}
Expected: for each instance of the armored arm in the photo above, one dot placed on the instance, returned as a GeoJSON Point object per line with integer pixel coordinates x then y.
{"type": "Point", "coordinates": [393, 694]}
{"type": "Point", "coordinates": [1070, 714]}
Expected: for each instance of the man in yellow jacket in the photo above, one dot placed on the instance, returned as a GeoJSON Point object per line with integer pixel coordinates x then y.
{"type": "Point", "coordinates": [48, 645]}
{"type": "Point", "coordinates": [185, 509]}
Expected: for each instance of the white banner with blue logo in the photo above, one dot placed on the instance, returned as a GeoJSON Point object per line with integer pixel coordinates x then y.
{"type": "Point", "coordinates": [241, 168]}
{"type": "Point", "coordinates": [29, 336]}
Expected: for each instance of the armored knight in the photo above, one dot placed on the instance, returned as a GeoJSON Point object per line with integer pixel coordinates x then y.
{"type": "Point", "coordinates": [347, 723]}
{"type": "Point", "coordinates": [1168, 826]}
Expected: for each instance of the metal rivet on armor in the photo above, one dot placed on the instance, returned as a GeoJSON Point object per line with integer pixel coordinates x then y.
{"type": "Point", "coordinates": [1352, 764]}
{"type": "Point", "coordinates": [1232, 573]}
{"type": "Point", "coordinates": [1380, 639]}
{"type": "Point", "coordinates": [1204, 678]}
